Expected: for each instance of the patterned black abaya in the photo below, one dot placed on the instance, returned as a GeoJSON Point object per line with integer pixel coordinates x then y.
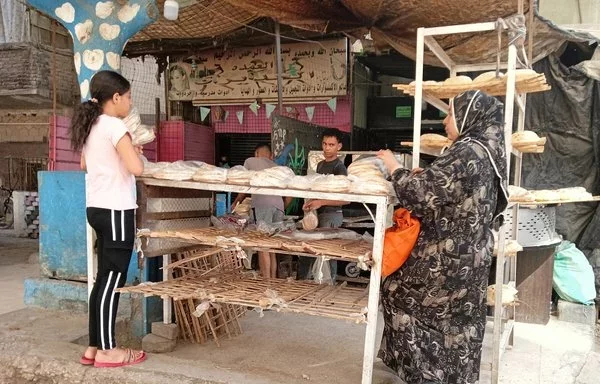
{"type": "Point", "coordinates": [435, 304]}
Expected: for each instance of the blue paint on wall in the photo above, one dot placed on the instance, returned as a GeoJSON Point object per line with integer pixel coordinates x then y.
{"type": "Point", "coordinates": [63, 225]}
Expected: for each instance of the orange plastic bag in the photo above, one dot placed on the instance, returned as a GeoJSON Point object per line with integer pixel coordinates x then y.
{"type": "Point", "coordinates": [399, 241]}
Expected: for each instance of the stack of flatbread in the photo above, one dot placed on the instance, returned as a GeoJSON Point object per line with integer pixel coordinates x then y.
{"type": "Point", "coordinates": [239, 175]}
{"type": "Point", "coordinates": [367, 168]}
{"type": "Point", "coordinates": [331, 183]}
{"type": "Point", "coordinates": [303, 183]}
{"type": "Point", "coordinates": [368, 176]}
{"type": "Point", "coordinates": [374, 186]}
{"type": "Point", "coordinates": [574, 194]}
{"type": "Point", "coordinates": [545, 195]}
{"type": "Point", "coordinates": [140, 134]}
{"type": "Point", "coordinates": [277, 177]}
{"type": "Point", "coordinates": [179, 170]}
{"type": "Point", "coordinates": [210, 174]}
{"type": "Point", "coordinates": [151, 168]}
{"type": "Point", "coordinates": [528, 141]}
{"type": "Point", "coordinates": [519, 195]}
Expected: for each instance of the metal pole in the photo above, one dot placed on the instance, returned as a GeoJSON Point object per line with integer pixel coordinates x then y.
{"type": "Point", "coordinates": [279, 68]}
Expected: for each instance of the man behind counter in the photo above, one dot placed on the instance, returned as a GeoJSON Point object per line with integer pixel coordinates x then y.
{"type": "Point", "coordinates": [329, 211]}
{"type": "Point", "coordinates": [269, 209]}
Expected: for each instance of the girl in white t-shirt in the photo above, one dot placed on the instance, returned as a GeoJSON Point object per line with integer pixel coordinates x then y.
{"type": "Point", "coordinates": [111, 162]}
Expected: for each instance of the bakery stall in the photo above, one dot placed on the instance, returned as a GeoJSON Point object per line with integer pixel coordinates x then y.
{"type": "Point", "coordinates": [221, 283]}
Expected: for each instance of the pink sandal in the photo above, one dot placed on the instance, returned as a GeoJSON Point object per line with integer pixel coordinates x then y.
{"type": "Point", "coordinates": [85, 361]}
{"type": "Point", "coordinates": [130, 360]}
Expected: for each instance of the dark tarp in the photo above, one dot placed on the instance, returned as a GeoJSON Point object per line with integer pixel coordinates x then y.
{"type": "Point", "coordinates": [569, 116]}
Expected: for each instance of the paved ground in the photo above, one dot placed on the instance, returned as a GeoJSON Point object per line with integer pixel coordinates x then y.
{"type": "Point", "coordinates": [15, 266]}
{"type": "Point", "coordinates": [41, 346]}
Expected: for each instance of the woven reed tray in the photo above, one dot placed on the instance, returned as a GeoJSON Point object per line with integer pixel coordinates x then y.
{"type": "Point", "coordinates": [494, 87]}
{"type": "Point", "coordinates": [349, 250]}
{"type": "Point", "coordinates": [250, 290]}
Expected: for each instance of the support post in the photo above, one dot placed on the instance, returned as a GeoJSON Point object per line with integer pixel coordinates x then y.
{"type": "Point", "coordinates": [167, 309]}
{"type": "Point", "coordinates": [99, 32]}
{"type": "Point", "coordinates": [374, 284]}
{"type": "Point", "coordinates": [508, 122]}
{"type": "Point", "coordinates": [418, 98]}
{"type": "Point", "coordinates": [279, 68]}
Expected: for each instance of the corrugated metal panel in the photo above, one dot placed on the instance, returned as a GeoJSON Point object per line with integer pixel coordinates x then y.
{"type": "Point", "coordinates": [181, 140]}
{"type": "Point", "coordinates": [239, 147]}
{"type": "Point", "coordinates": [199, 143]}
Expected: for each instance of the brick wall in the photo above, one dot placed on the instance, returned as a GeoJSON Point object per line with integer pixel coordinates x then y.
{"type": "Point", "coordinates": [26, 76]}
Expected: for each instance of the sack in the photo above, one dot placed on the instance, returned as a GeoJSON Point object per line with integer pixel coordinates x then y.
{"type": "Point", "coordinates": [399, 240]}
{"type": "Point", "coordinates": [573, 276]}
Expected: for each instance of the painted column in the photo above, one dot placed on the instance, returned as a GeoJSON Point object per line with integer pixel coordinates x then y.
{"type": "Point", "coordinates": [100, 30]}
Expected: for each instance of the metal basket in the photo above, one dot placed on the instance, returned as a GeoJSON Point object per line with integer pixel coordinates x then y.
{"type": "Point", "coordinates": [536, 226]}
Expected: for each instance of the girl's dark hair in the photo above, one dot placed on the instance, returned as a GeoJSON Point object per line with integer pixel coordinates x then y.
{"type": "Point", "coordinates": [102, 88]}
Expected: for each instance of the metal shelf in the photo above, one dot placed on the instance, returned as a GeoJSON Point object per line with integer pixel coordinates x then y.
{"type": "Point", "coordinates": [502, 335]}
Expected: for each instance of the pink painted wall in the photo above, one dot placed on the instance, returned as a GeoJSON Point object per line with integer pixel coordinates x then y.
{"type": "Point", "coordinates": [63, 158]}
{"type": "Point", "coordinates": [324, 116]}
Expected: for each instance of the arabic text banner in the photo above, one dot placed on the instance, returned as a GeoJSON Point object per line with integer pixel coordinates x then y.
{"type": "Point", "coordinates": [236, 76]}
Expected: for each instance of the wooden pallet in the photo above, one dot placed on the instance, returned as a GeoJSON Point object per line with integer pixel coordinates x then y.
{"type": "Point", "coordinates": [220, 320]}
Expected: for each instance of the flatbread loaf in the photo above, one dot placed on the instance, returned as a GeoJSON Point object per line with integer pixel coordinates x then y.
{"type": "Point", "coordinates": [546, 195]}
{"type": "Point", "coordinates": [487, 76]}
{"type": "Point", "coordinates": [458, 80]}
{"type": "Point", "coordinates": [310, 221]}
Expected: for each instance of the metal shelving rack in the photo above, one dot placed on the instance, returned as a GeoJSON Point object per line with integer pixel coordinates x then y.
{"type": "Point", "coordinates": [503, 327]}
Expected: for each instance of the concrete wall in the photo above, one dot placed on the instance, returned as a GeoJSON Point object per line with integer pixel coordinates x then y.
{"type": "Point", "coordinates": [571, 11]}
{"type": "Point", "coordinates": [27, 79]}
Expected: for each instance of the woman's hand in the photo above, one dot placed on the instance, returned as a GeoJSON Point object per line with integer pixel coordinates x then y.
{"type": "Point", "coordinates": [389, 160]}
{"type": "Point", "coordinates": [312, 204]}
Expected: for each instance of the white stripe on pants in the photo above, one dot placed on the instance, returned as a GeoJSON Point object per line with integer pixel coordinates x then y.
{"type": "Point", "coordinates": [112, 222]}
{"type": "Point", "coordinates": [110, 274]}
{"type": "Point", "coordinates": [110, 312]}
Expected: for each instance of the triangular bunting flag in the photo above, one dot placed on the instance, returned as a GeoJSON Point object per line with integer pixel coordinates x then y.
{"type": "Point", "coordinates": [269, 108]}
{"type": "Point", "coordinates": [240, 116]}
{"type": "Point", "coordinates": [226, 116]}
{"type": "Point", "coordinates": [254, 107]}
{"type": "Point", "coordinates": [204, 111]}
{"type": "Point", "coordinates": [310, 112]}
{"type": "Point", "coordinates": [332, 104]}
{"type": "Point", "coordinates": [289, 109]}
